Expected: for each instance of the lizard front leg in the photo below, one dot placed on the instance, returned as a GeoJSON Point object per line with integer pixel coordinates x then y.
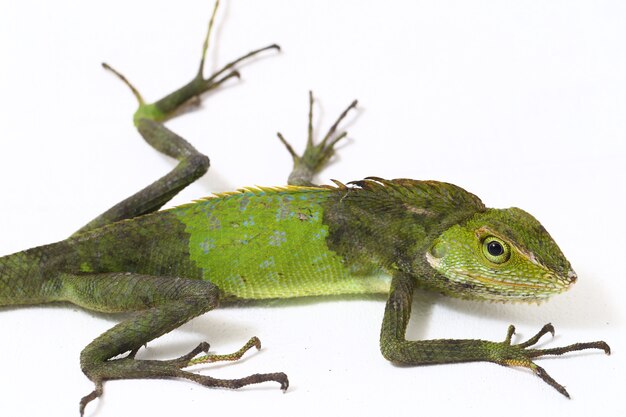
{"type": "Point", "coordinates": [160, 304]}
{"type": "Point", "coordinates": [316, 155]}
{"type": "Point", "coordinates": [396, 348]}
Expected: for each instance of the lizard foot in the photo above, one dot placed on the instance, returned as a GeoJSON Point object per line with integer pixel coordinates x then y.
{"type": "Point", "coordinates": [508, 354]}
{"type": "Point", "coordinates": [315, 156]}
{"type": "Point", "coordinates": [130, 368]}
{"type": "Point", "coordinates": [189, 94]}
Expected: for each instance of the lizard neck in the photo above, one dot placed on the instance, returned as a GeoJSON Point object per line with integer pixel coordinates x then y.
{"type": "Point", "coordinates": [390, 224]}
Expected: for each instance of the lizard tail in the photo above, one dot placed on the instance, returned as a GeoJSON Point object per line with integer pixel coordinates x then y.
{"type": "Point", "coordinates": [24, 281]}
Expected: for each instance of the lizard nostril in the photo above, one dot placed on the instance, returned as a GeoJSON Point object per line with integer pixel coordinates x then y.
{"type": "Point", "coordinates": [571, 275]}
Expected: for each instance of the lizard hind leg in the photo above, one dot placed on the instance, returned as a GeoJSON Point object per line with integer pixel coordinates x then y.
{"type": "Point", "coordinates": [159, 305]}
{"type": "Point", "coordinates": [149, 119]}
{"type": "Point", "coordinates": [130, 368]}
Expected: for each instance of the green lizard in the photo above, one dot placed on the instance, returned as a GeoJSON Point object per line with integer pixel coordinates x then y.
{"type": "Point", "coordinates": [369, 236]}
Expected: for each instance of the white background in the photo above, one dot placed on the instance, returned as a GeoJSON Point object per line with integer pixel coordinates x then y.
{"type": "Point", "coordinates": [522, 103]}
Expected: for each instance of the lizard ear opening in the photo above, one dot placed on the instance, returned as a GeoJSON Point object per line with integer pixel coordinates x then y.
{"type": "Point", "coordinates": [439, 249]}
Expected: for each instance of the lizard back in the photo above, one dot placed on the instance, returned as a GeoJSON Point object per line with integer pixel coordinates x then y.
{"type": "Point", "coordinates": [252, 244]}
{"type": "Point", "coordinates": [272, 243]}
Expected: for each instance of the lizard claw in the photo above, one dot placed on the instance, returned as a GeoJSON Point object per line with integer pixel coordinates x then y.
{"type": "Point", "coordinates": [97, 392]}
{"type": "Point", "coordinates": [548, 328]}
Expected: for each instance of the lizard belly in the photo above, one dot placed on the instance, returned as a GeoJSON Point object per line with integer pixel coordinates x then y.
{"type": "Point", "coordinates": [271, 245]}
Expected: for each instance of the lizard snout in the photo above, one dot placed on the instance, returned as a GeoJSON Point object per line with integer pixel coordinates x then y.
{"type": "Point", "coordinates": [571, 276]}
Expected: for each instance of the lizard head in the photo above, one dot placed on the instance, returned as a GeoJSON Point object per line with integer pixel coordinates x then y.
{"type": "Point", "coordinates": [500, 255]}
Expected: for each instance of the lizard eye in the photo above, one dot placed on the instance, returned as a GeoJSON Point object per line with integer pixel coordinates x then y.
{"type": "Point", "coordinates": [496, 250]}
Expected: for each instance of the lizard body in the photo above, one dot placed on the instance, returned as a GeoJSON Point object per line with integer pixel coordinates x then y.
{"type": "Point", "coordinates": [369, 236]}
{"type": "Point", "coordinates": [262, 242]}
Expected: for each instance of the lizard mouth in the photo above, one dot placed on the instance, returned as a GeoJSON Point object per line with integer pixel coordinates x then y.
{"type": "Point", "coordinates": [499, 289]}
{"type": "Point", "coordinates": [556, 283]}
